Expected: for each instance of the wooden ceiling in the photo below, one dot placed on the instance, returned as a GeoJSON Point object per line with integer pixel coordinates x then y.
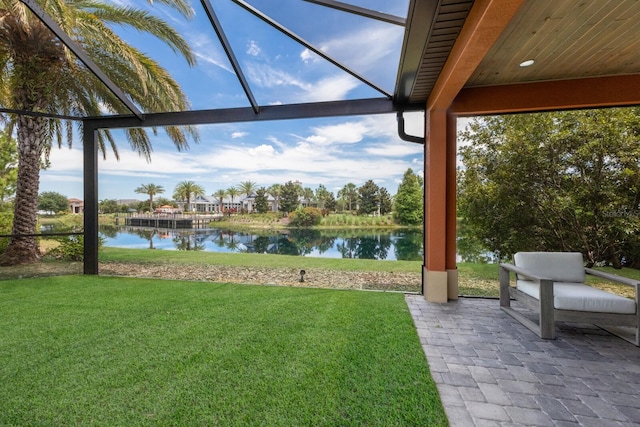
{"type": "Point", "coordinates": [567, 39]}
{"type": "Point", "coordinates": [593, 45]}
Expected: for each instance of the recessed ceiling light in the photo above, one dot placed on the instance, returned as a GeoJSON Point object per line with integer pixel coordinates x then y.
{"type": "Point", "coordinates": [527, 63]}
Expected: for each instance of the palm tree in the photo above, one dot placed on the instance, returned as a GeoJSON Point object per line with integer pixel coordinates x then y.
{"type": "Point", "coordinates": [247, 187]}
{"type": "Point", "coordinates": [40, 75]}
{"type": "Point", "coordinates": [185, 189]}
{"type": "Point", "coordinates": [220, 195]}
{"type": "Point", "coordinates": [308, 196]}
{"type": "Point", "coordinates": [233, 192]}
{"type": "Point", "coordinates": [151, 190]}
{"type": "Point", "coordinates": [322, 195]}
{"type": "Point", "coordinates": [275, 190]}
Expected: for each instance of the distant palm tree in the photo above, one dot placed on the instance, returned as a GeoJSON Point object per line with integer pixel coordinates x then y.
{"type": "Point", "coordinates": [233, 192]}
{"type": "Point", "coordinates": [308, 196]}
{"type": "Point", "coordinates": [247, 187]}
{"type": "Point", "coordinates": [185, 189]}
{"type": "Point", "coordinates": [39, 74]}
{"type": "Point", "coordinates": [275, 191]}
{"type": "Point", "coordinates": [322, 195]}
{"type": "Point", "coordinates": [151, 190]}
{"type": "Point", "coordinates": [220, 195]}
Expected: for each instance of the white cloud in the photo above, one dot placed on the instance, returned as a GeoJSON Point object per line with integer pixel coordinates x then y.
{"type": "Point", "coordinates": [253, 49]}
{"type": "Point", "coordinates": [344, 133]}
{"type": "Point", "coordinates": [163, 164]}
{"type": "Point", "coordinates": [395, 149]}
{"type": "Point", "coordinates": [269, 77]}
{"type": "Point", "coordinates": [213, 60]}
{"type": "Point", "coordinates": [235, 135]}
{"type": "Point", "coordinates": [365, 47]}
{"type": "Point", "coordinates": [333, 87]}
{"type": "Point", "coordinates": [276, 141]}
{"type": "Point", "coordinates": [208, 51]}
{"type": "Point", "coordinates": [65, 178]}
{"type": "Point", "coordinates": [65, 160]}
{"type": "Point", "coordinates": [263, 150]}
{"type": "Point", "coordinates": [331, 152]}
{"type": "Point", "coordinates": [308, 56]}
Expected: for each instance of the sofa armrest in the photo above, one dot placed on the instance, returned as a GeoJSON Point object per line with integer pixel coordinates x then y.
{"type": "Point", "coordinates": [545, 327]}
{"type": "Point", "coordinates": [613, 278]}
{"type": "Point", "coordinates": [522, 272]}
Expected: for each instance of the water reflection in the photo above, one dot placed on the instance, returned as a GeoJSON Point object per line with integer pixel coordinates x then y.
{"type": "Point", "coordinates": [362, 244]}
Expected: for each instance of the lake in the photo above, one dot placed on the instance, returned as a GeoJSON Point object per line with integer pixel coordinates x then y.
{"type": "Point", "coordinates": [401, 244]}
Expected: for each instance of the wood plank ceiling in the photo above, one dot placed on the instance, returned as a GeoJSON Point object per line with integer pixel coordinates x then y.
{"type": "Point", "coordinates": [567, 39]}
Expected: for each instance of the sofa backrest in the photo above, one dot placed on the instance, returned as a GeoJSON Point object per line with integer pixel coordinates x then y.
{"type": "Point", "coordinates": [558, 266]}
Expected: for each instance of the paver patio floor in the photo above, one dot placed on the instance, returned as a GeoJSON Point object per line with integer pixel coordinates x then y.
{"type": "Point", "coordinates": [492, 371]}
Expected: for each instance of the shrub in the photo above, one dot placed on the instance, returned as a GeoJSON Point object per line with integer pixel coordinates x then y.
{"type": "Point", "coordinates": [305, 217]}
{"type": "Point", "coordinates": [71, 248]}
{"type": "Point", "coordinates": [6, 222]}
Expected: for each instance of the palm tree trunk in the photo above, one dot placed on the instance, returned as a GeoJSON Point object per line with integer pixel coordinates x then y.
{"type": "Point", "coordinates": [23, 249]}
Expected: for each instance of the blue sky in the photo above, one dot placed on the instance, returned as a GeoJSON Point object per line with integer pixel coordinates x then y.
{"type": "Point", "coordinates": [328, 151]}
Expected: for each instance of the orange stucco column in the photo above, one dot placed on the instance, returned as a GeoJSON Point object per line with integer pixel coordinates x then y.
{"type": "Point", "coordinates": [439, 269]}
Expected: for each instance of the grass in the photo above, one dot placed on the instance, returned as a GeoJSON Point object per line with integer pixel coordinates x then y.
{"type": "Point", "coordinates": [117, 351]}
{"type": "Point", "coordinates": [253, 260]}
{"type": "Point", "coordinates": [474, 279]}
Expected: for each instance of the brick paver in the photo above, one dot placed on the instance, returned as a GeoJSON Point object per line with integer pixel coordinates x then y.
{"type": "Point", "coordinates": [491, 370]}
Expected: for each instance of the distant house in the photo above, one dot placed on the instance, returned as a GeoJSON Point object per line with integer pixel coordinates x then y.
{"type": "Point", "coordinates": [76, 206]}
{"type": "Point", "coordinates": [212, 204]}
{"type": "Point", "coordinates": [167, 209]}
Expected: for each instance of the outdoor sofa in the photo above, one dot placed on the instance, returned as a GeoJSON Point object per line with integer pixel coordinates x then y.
{"type": "Point", "coordinates": [553, 285]}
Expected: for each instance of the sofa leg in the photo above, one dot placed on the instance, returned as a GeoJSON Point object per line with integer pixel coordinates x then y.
{"type": "Point", "coordinates": [505, 295]}
{"type": "Point", "coordinates": [547, 314]}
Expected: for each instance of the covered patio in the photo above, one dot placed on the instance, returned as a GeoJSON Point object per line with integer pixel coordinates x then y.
{"type": "Point", "coordinates": [491, 370]}
{"type": "Point", "coordinates": [471, 58]}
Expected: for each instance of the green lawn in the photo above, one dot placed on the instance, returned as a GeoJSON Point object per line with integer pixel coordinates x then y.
{"type": "Point", "coordinates": [110, 254]}
{"type": "Point", "coordinates": [87, 350]}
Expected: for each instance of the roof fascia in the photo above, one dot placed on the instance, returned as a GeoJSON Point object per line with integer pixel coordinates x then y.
{"type": "Point", "coordinates": [593, 92]}
{"type": "Point", "coordinates": [234, 115]}
{"type": "Point", "coordinates": [420, 18]}
{"type": "Point", "coordinates": [487, 19]}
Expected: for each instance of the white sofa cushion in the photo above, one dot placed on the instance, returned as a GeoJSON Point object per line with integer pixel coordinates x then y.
{"type": "Point", "coordinates": [580, 297]}
{"type": "Point", "coordinates": [558, 266]}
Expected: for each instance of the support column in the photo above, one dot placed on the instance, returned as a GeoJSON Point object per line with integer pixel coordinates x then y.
{"type": "Point", "coordinates": [434, 276]}
{"type": "Point", "coordinates": [90, 172]}
{"type": "Point", "coordinates": [451, 218]}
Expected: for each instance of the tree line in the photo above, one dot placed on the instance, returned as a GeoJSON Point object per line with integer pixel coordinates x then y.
{"type": "Point", "coordinates": [367, 199]}
{"type": "Point", "coordinates": [561, 181]}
